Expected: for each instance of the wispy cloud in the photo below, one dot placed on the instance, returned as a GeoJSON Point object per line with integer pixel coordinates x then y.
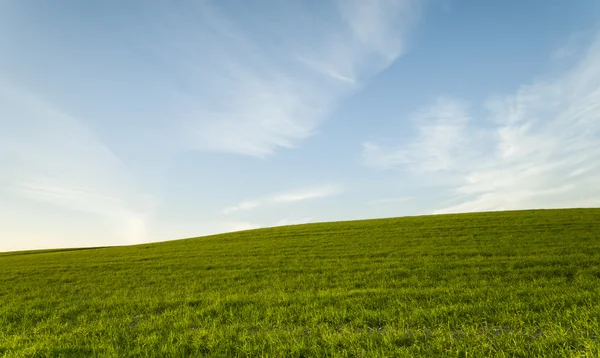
{"type": "Point", "coordinates": [538, 148]}
{"type": "Point", "coordinates": [52, 157]}
{"type": "Point", "coordinates": [291, 221]}
{"type": "Point", "coordinates": [306, 194]}
{"type": "Point", "coordinates": [252, 88]}
{"type": "Point", "coordinates": [441, 133]}
{"type": "Point", "coordinates": [391, 200]}
{"type": "Point", "coordinates": [571, 47]}
{"type": "Point", "coordinates": [287, 197]}
{"type": "Point", "coordinates": [246, 205]}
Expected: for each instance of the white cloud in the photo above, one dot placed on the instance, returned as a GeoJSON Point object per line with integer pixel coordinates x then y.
{"type": "Point", "coordinates": [542, 146]}
{"type": "Point", "coordinates": [570, 48]}
{"type": "Point", "coordinates": [391, 200]}
{"type": "Point", "coordinates": [287, 197]}
{"type": "Point", "coordinates": [49, 156]}
{"type": "Point", "coordinates": [441, 134]}
{"type": "Point", "coordinates": [252, 89]}
{"type": "Point", "coordinates": [290, 221]}
{"type": "Point", "coordinates": [246, 205]}
{"type": "Point", "coordinates": [306, 194]}
{"type": "Point", "coordinates": [375, 25]}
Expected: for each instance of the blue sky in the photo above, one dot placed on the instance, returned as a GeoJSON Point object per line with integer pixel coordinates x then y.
{"type": "Point", "coordinates": [124, 122]}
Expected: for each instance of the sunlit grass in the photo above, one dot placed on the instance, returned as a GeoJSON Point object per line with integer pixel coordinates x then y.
{"type": "Point", "coordinates": [503, 284]}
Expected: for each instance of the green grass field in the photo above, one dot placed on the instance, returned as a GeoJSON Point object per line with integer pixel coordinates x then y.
{"type": "Point", "coordinates": [504, 284]}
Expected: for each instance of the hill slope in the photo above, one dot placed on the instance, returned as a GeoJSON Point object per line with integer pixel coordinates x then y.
{"type": "Point", "coordinates": [525, 283]}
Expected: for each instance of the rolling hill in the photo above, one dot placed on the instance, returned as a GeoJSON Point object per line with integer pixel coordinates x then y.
{"type": "Point", "coordinates": [518, 283]}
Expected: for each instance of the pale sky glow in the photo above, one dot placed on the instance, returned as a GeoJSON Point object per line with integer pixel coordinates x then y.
{"type": "Point", "coordinates": [124, 122]}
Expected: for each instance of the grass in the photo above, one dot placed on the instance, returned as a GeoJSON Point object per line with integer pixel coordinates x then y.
{"type": "Point", "coordinates": [503, 284]}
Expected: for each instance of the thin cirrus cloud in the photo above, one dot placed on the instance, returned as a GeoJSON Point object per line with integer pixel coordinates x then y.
{"type": "Point", "coordinates": [289, 221]}
{"type": "Point", "coordinates": [243, 206]}
{"type": "Point", "coordinates": [401, 199]}
{"type": "Point", "coordinates": [51, 157]}
{"type": "Point", "coordinates": [286, 198]}
{"type": "Point", "coordinates": [306, 194]}
{"type": "Point", "coordinates": [441, 128]}
{"type": "Point", "coordinates": [538, 148]}
{"type": "Point", "coordinates": [273, 83]}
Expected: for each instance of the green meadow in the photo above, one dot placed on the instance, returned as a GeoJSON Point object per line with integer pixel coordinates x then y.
{"type": "Point", "coordinates": [498, 284]}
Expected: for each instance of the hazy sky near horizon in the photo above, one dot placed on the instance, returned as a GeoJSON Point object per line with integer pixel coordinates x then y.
{"type": "Point", "coordinates": [124, 122]}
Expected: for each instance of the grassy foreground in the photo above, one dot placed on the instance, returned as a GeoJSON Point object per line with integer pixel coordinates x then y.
{"type": "Point", "coordinates": [505, 284]}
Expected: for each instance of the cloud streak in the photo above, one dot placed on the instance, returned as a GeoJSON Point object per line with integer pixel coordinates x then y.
{"type": "Point", "coordinates": [402, 199]}
{"type": "Point", "coordinates": [306, 194]}
{"type": "Point", "coordinates": [537, 148]}
{"type": "Point", "coordinates": [243, 206]}
{"type": "Point", "coordinates": [286, 198]}
{"type": "Point", "coordinates": [290, 221]}
{"type": "Point", "coordinates": [441, 132]}
{"type": "Point", "coordinates": [251, 88]}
